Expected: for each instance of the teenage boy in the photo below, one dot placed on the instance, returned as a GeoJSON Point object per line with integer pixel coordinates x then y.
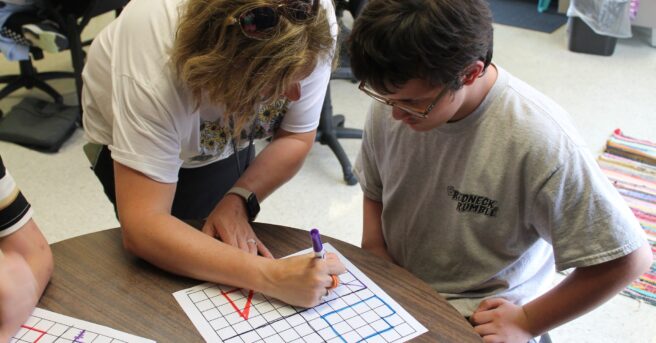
{"type": "Point", "coordinates": [25, 258]}
{"type": "Point", "coordinates": [476, 182]}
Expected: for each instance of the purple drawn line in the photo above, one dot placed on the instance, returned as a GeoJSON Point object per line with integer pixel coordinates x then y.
{"type": "Point", "coordinates": [352, 284]}
{"type": "Point", "coordinates": [79, 336]}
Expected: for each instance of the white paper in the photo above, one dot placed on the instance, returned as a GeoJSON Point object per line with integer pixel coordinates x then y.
{"type": "Point", "coordinates": [357, 310]}
{"type": "Point", "coordinates": [46, 327]}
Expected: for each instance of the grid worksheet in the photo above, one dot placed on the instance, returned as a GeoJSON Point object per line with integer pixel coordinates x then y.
{"type": "Point", "coordinates": [49, 327]}
{"type": "Point", "coordinates": [356, 311]}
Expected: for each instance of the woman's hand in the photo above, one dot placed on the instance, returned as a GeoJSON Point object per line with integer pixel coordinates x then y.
{"type": "Point", "coordinates": [302, 280]}
{"type": "Point", "coordinates": [18, 294]}
{"type": "Point", "coordinates": [229, 222]}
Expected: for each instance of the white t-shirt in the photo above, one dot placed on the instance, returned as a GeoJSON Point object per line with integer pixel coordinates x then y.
{"type": "Point", "coordinates": [133, 103]}
{"type": "Point", "coordinates": [486, 206]}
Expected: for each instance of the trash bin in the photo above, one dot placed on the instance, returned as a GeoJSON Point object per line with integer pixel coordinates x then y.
{"type": "Point", "coordinates": [595, 25]}
{"type": "Point", "coordinates": [583, 39]}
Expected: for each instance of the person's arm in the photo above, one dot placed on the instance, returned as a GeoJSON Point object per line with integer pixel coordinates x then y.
{"type": "Point", "coordinates": [372, 233]}
{"type": "Point", "coordinates": [581, 291]}
{"type": "Point", "coordinates": [152, 233]}
{"type": "Point", "coordinates": [275, 165]}
{"type": "Point", "coordinates": [24, 273]}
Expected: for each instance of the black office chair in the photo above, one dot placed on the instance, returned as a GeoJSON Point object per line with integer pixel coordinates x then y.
{"type": "Point", "coordinates": [331, 126]}
{"type": "Point", "coordinates": [29, 78]}
{"type": "Point", "coordinates": [73, 16]}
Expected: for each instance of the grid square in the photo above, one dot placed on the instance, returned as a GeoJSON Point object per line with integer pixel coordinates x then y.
{"type": "Point", "coordinates": [391, 335]}
{"type": "Point", "coordinates": [234, 318]}
{"type": "Point", "coordinates": [380, 325]}
{"type": "Point", "coordinates": [211, 292]}
{"type": "Point", "coordinates": [204, 305]}
{"type": "Point", "coordinates": [31, 335]}
{"type": "Point", "coordinates": [101, 339]}
{"type": "Point", "coordinates": [303, 329]}
{"type": "Point", "coordinates": [271, 316]}
{"type": "Point", "coordinates": [211, 314]}
{"type": "Point", "coordinates": [327, 333]}
{"type": "Point", "coordinates": [318, 324]}
{"type": "Point", "coordinates": [286, 311]}
{"type": "Point", "coordinates": [351, 336]}
{"type": "Point", "coordinates": [257, 321]}
{"type": "Point", "coordinates": [312, 338]}
{"type": "Point", "coordinates": [47, 339]}
{"type": "Point", "coordinates": [395, 320]}
{"type": "Point", "coordinates": [57, 329]}
{"type": "Point", "coordinates": [219, 323]}
{"type": "Point", "coordinates": [309, 314]}
{"type": "Point", "coordinates": [226, 332]}
{"type": "Point", "coordinates": [384, 311]}
{"type": "Point", "coordinates": [250, 337]}
{"type": "Point", "coordinates": [280, 325]}
{"type": "Point", "coordinates": [366, 331]}
{"type": "Point", "coordinates": [289, 334]}
{"type": "Point", "coordinates": [219, 300]}
{"type": "Point", "coordinates": [357, 322]}
{"type": "Point", "coordinates": [296, 320]}
{"type": "Point", "coordinates": [404, 329]}
{"type": "Point", "coordinates": [265, 332]}
{"type": "Point", "coordinates": [198, 296]}
{"type": "Point", "coordinates": [242, 327]}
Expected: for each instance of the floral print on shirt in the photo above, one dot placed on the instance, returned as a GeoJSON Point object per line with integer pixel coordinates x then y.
{"type": "Point", "coordinates": [215, 136]}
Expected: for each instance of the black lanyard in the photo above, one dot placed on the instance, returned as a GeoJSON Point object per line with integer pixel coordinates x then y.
{"type": "Point", "coordinates": [251, 135]}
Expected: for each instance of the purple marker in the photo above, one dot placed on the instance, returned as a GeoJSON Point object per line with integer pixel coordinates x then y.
{"type": "Point", "coordinates": [317, 246]}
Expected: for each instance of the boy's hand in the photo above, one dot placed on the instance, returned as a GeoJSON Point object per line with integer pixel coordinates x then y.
{"type": "Point", "coordinates": [498, 320]}
{"type": "Point", "coordinates": [18, 294]}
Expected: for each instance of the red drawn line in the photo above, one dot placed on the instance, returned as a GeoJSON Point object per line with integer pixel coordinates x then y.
{"type": "Point", "coordinates": [43, 333]}
{"type": "Point", "coordinates": [247, 308]}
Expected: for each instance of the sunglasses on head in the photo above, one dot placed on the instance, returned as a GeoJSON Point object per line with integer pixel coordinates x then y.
{"type": "Point", "coordinates": [262, 22]}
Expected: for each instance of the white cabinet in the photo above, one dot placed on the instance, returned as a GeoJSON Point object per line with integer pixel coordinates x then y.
{"type": "Point", "coordinates": [647, 18]}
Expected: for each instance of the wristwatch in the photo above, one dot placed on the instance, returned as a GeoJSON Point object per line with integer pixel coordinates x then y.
{"type": "Point", "coordinates": [252, 205]}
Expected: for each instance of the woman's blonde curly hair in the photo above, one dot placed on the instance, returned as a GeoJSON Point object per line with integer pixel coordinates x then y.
{"type": "Point", "coordinates": [219, 64]}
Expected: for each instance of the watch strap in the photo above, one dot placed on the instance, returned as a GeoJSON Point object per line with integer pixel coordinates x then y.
{"type": "Point", "coordinates": [242, 192]}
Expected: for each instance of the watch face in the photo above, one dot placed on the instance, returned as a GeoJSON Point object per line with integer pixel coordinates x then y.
{"type": "Point", "coordinates": [252, 206]}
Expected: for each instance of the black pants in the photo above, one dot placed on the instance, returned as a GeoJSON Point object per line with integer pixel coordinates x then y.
{"type": "Point", "coordinates": [198, 189]}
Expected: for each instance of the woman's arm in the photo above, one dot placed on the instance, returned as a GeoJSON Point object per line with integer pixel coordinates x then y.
{"type": "Point", "coordinates": [152, 233]}
{"type": "Point", "coordinates": [274, 166]}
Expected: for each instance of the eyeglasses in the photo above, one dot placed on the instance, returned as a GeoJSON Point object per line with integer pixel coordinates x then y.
{"type": "Point", "coordinates": [407, 108]}
{"type": "Point", "coordinates": [262, 22]}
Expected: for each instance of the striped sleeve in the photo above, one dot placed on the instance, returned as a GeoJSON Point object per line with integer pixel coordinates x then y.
{"type": "Point", "coordinates": [15, 211]}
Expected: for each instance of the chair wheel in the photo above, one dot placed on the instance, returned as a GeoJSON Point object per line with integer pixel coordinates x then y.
{"type": "Point", "coordinates": [350, 179]}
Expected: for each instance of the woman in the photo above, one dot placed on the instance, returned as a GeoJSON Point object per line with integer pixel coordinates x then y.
{"type": "Point", "coordinates": [176, 91]}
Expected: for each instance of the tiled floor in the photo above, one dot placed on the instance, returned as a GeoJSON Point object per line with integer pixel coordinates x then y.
{"type": "Point", "coordinates": [601, 93]}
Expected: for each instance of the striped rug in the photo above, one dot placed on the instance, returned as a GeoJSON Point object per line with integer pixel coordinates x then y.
{"type": "Point", "coordinates": [630, 164]}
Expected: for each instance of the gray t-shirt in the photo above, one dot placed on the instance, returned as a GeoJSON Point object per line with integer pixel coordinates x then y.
{"type": "Point", "coordinates": [483, 207]}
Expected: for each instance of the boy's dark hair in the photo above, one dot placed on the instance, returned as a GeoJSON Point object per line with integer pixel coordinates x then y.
{"type": "Point", "coordinates": [394, 41]}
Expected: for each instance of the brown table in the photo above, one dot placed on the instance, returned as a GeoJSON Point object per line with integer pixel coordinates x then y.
{"type": "Point", "coordinates": [97, 281]}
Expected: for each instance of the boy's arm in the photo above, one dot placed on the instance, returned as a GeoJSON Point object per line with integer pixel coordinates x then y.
{"type": "Point", "coordinates": [372, 233]}
{"type": "Point", "coordinates": [581, 291]}
{"type": "Point", "coordinates": [584, 289]}
{"type": "Point", "coordinates": [24, 273]}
